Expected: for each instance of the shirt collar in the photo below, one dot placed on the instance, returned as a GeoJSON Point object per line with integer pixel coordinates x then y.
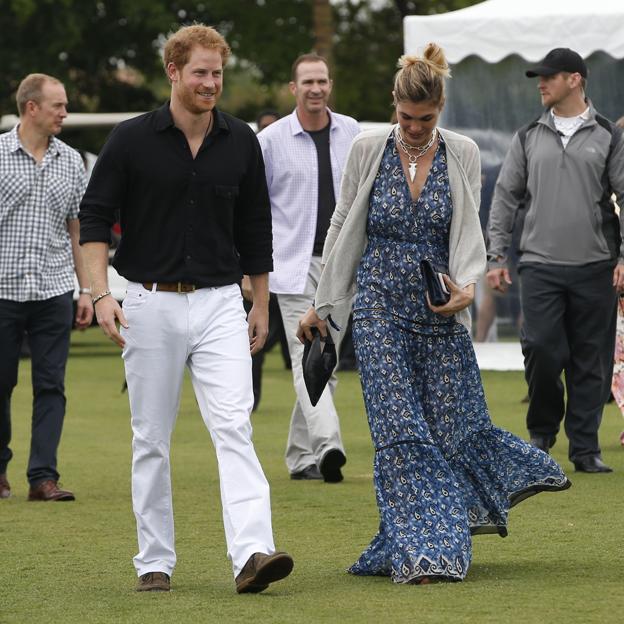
{"type": "Point", "coordinates": [14, 141]}
{"type": "Point", "coordinates": [164, 120]}
{"type": "Point", "coordinates": [297, 128]}
{"type": "Point", "coordinates": [54, 145]}
{"type": "Point", "coordinates": [588, 115]}
{"type": "Point", "coordinates": [220, 121]}
{"type": "Point", "coordinates": [585, 115]}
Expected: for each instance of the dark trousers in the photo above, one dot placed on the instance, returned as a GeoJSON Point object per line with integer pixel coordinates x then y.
{"type": "Point", "coordinates": [569, 326]}
{"type": "Point", "coordinates": [276, 335]}
{"type": "Point", "coordinates": [48, 325]}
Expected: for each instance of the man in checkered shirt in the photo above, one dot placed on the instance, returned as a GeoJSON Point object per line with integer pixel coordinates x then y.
{"type": "Point", "coordinates": [41, 184]}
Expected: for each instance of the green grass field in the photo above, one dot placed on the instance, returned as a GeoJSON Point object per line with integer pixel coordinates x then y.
{"type": "Point", "coordinates": [71, 562]}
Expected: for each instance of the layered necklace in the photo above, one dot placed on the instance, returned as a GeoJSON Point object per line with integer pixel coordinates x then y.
{"type": "Point", "coordinates": [414, 152]}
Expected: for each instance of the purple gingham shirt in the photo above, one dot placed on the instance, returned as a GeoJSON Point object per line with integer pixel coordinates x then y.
{"type": "Point", "coordinates": [292, 178]}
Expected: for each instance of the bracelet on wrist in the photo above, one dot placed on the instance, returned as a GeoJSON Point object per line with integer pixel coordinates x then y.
{"type": "Point", "coordinates": [84, 291]}
{"type": "Point", "coordinates": [101, 296]}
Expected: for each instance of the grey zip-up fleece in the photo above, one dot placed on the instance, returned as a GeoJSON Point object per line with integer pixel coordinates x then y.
{"type": "Point", "coordinates": [570, 218]}
{"type": "Point", "coordinates": [346, 239]}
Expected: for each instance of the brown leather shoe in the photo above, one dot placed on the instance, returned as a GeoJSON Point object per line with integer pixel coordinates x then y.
{"type": "Point", "coordinates": [49, 491]}
{"type": "Point", "coordinates": [5, 488]}
{"type": "Point", "coordinates": [261, 569]}
{"type": "Point", "coordinates": [154, 581]}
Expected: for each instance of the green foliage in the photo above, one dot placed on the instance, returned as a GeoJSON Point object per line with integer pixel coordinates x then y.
{"type": "Point", "coordinates": [369, 42]}
{"type": "Point", "coordinates": [427, 7]}
{"type": "Point", "coordinates": [107, 51]}
{"type": "Point", "coordinates": [71, 562]}
{"type": "Point", "coordinates": [85, 44]}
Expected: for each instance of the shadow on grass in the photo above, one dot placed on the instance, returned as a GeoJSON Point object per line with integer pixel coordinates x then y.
{"type": "Point", "coordinates": [100, 353]}
{"type": "Point", "coordinates": [93, 345]}
{"type": "Point", "coordinates": [98, 344]}
{"type": "Point", "coordinates": [535, 569]}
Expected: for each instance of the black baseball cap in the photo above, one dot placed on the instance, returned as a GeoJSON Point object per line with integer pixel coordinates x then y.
{"type": "Point", "coordinates": [559, 60]}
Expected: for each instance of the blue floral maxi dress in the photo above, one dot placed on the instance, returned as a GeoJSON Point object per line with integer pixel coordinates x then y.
{"type": "Point", "coordinates": [442, 471]}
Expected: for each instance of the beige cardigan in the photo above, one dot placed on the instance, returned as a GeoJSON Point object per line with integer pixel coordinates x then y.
{"type": "Point", "coordinates": [346, 238]}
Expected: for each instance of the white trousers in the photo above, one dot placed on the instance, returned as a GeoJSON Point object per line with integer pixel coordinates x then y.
{"type": "Point", "coordinates": [205, 330]}
{"type": "Point", "coordinates": [313, 430]}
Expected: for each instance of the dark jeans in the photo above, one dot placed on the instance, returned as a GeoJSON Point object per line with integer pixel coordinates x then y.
{"type": "Point", "coordinates": [569, 326]}
{"type": "Point", "coordinates": [48, 325]}
{"type": "Point", "coordinates": [276, 334]}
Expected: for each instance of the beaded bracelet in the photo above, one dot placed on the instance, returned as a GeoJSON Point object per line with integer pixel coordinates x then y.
{"type": "Point", "coordinates": [101, 296]}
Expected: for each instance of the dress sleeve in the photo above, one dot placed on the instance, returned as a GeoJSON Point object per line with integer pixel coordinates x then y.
{"type": "Point", "coordinates": [348, 190]}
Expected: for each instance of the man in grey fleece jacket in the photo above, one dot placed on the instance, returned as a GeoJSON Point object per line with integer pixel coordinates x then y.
{"type": "Point", "coordinates": [562, 169]}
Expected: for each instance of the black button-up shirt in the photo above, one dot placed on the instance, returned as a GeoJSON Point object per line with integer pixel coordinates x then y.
{"type": "Point", "coordinates": [204, 220]}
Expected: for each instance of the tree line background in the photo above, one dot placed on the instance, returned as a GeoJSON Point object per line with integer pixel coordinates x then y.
{"type": "Point", "coordinates": [107, 52]}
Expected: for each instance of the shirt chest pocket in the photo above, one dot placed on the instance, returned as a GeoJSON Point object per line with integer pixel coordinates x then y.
{"type": "Point", "coordinates": [58, 192]}
{"type": "Point", "coordinates": [226, 193]}
{"type": "Point", "coordinates": [14, 190]}
{"type": "Point", "coordinates": [223, 204]}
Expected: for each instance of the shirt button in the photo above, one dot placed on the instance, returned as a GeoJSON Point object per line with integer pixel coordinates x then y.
{"type": "Point", "coordinates": [188, 257]}
{"type": "Point", "coordinates": [192, 202]}
{"type": "Point", "coordinates": [194, 173]}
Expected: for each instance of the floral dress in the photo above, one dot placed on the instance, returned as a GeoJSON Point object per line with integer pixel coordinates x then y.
{"type": "Point", "coordinates": [442, 471]}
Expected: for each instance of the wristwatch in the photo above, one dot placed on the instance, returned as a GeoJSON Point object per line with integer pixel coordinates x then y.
{"type": "Point", "coordinates": [84, 291]}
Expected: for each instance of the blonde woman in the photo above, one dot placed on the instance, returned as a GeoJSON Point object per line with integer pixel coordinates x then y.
{"type": "Point", "coordinates": [442, 471]}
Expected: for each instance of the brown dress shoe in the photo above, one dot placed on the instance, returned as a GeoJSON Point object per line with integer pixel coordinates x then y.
{"type": "Point", "coordinates": [154, 581]}
{"type": "Point", "coordinates": [5, 488]}
{"type": "Point", "coordinates": [261, 569]}
{"type": "Point", "coordinates": [49, 491]}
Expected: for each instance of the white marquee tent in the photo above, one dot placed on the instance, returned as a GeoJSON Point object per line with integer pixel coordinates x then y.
{"type": "Point", "coordinates": [490, 44]}
{"type": "Point", "coordinates": [495, 29]}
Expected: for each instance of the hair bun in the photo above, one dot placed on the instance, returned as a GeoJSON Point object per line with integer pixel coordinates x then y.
{"type": "Point", "coordinates": [407, 60]}
{"type": "Point", "coordinates": [433, 57]}
{"type": "Point", "coordinates": [421, 78]}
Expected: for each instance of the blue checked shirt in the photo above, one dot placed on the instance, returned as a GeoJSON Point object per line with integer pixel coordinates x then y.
{"type": "Point", "coordinates": [36, 201]}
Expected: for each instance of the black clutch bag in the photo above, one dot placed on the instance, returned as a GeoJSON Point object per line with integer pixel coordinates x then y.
{"type": "Point", "coordinates": [319, 361]}
{"type": "Point", "coordinates": [434, 282]}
